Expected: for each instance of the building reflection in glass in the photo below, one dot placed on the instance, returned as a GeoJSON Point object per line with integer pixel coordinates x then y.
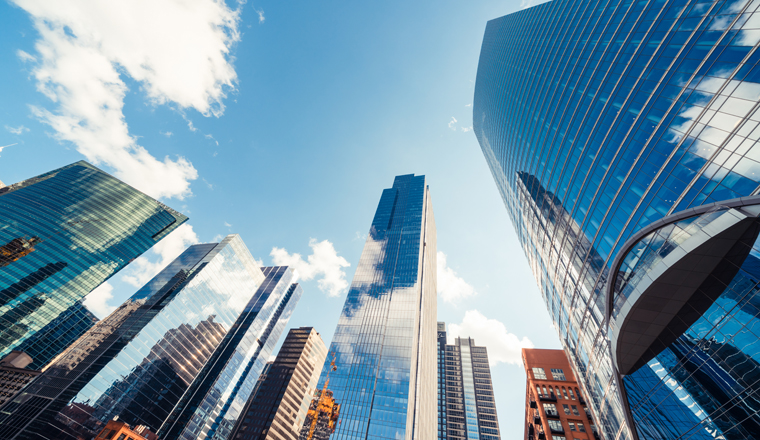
{"type": "Point", "coordinates": [211, 306]}
{"type": "Point", "coordinates": [62, 234]}
{"type": "Point", "coordinates": [385, 341]}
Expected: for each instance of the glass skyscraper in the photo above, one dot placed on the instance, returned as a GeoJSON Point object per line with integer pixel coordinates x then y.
{"type": "Point", "coordinates": [187, 347]}
{"type": "Point", "coordinates": [62, 234]}
{"type": "Point", "coordinates": [385, 341]}
{"type": "Point", "coordinates": [622, 136]}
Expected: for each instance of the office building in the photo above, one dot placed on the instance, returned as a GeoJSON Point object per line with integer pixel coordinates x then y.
{"type": "Point", "coordinates": [277, 410]}
{"type": "Point", "coordinates": [62, 234]}
{"type": "Point", "coordinates": [468, 405]}
{"type": "Point", "coordinates": [385, 341]}
{"type": "Point", "coordinates": [14, 374]}
{"type": "Point", "coordinates": [442, 424]}
{"type": "Point", "coordinates": [211, 316]}
{"type": "Point", "coordinates": [554, 404]}
{"type": "Point", "coordinates": [323, 416]}
{"type": "Point", "coordinates": [622, 136]}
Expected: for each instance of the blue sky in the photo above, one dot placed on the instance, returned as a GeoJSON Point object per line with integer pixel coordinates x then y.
{"type": "Point", "coordinates": [282, 122]}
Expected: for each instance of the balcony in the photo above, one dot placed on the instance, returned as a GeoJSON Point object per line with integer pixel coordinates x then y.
{"type": "Point", "coordinates": [557, 430]}
{"type": "Point", "coordinates": [596, 436]}
{"type": "Point", "coordinates": [551, 414]}
{"type": "Point", "coordinates": [536, 419]}
{"type": "Point", "coordinates": [548, 398]}
{"type": "Point", "coordinates": [582, 400]}
{"type": "Point", "coordinates": [533, 404]}
{"type": "Point", "coordinates": [541, 436]}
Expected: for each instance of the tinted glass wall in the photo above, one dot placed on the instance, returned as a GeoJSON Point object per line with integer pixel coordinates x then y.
{"type": "Point", "coordinates": [599, 118]}
{"type": "Point", "coordinates": [385, 341]}
{"type": "Point", "coordinates": [139, 361]}
{"type": "Point", "coordinates": [61, 235]}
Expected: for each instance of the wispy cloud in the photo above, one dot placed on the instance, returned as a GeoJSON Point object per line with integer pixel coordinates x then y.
{"type": "Point", "coordinates": [84, 48]}
{"type": "Point", "coordinates": [451, 287]}
{"type": "Point", "coordinates": [6, 146]}
{"type": "Point", "coordinates": [25, 56]}
{"type": "Point", "coordinates": [161, 254]}
{"type": "Point", "coordinates": [227, 224]}
{"type": "Point", "coordinates": [17, 130]}
{"type": "Point", "coordinates": [528, 3]}
{"type": "Point", "coordinates": [466, 129]}
{"type": "Point", "coordinates": [166, 133]}
{"type": "Point", "coordinates": [453, 123]}
{"type": "Point", "coordinates": [97, 300]}
{"type": "Point", "coordinates": [324, 263]}
{"type": "Point", "coordinates": [262, 19]}
{"type": "Point", "coordinates": [502, 345]}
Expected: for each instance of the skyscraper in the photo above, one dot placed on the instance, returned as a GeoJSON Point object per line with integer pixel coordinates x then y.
{"type": "Point", "coordinates": [277, 410]}
{"type": "Point", "coordinates": [553, 402]}
{"type": "Point", "coordinates": [62, 234]}
{"type": "Point", "coordinates": [466, 407]}
{"type": "Point", "coordinates": [385, 341]}
{"type": "Point", "coordinates": [208, 318]}
{"type": "Point", "coordinates": [622, 136]}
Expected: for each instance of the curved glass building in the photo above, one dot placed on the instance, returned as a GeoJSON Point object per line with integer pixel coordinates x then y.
{"type": "Point", "coordinates": [623, 138]}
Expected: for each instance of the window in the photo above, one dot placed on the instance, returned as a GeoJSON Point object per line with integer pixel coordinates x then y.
{"type": "Point", "coordinates": [575, 410]}
{"type": "Point", "coordinates": [545, 392]}
{"type": "Point", "coordinates": [558, 374]}
{"type": "Point", "coordinates": [564, 392]}
{"type": "Point", "coordinates": [559, 396]}
{"type": "Point", "coordinates": [581, 427]}
{"type": "Point", "coordinates": [572, 396]}
{"type": "Point", "coordinates": [556, 425]}
{"type": "Point", "coordinates": [572, 426]}
{"type": "Point", "coordinates": [550, 409]}
{"type": "Point", "coordinates": [566, 408]}
{"type": "Point", "coordinates": [558, 437]}
{"type": "Point", "coordinates": [539, 373]}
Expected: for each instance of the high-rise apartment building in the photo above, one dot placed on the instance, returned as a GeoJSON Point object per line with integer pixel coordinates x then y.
{"type": "Point", "coordinates": [210, 317]}
{"type": "Point", "coordinates": [442, 424]}
{"type": "Point", "coordinates": [466, 404]}
{"type": "Point", "coordinates": [622, 136]}
{"type": "Point", "coordinates": [277, 410]}
{"type": "Point", "coordinates": [62, 234]}
{"type": "Point", "coordinates": [385, 341]}
{"type": "Point", "coordinates": [553, 403]}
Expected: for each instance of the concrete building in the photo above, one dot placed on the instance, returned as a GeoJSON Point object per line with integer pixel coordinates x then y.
{"type": "Point", "coordinates": [279, 407]}
{"type": "Point", "coordinates": [115, 430]}
{"type": "Point", "coordinates": [554, 406]}
{"type": "Point", "coordinates": [14, 375]}
{"type": "Point", "coordinates": [468, 404]}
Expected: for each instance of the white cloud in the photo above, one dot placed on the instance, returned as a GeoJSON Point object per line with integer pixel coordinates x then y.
{"type": "Point", "coordinates": [324, 262]}
{"type": "Point", "coordinates": [468, 105]}
{"type": "Point", "coordinates": [529, 3]}
{"type": "Point", "coordinates": [166, 133]}
{"type": "Point", "coordinates": [164, 252]}
{"type": "Point", "coordinates": [227, 224]}
{"type": "Point", "coordinates": [453, 123]}
{"type": "Point", "coordinates": [17, 130]}
{"type": "Point", "coordinates": [360, 236]}
{"type": "Point", "coordinates": [502, 346]}
{"type": "Point", "coordinates": [466, 129]}
{"type": "Point", "coordinates": [177, 50]}
{"type": "Point", "coordinates": [261, 15]}
{"type": "Point", "coordinates": [25, 56]}
{"type": "Point", "coordinates": [451, 287]}
{"type": "Point", "coordinates": [97, 300]}
{"type": "Point", "coordinates": [6, 146]}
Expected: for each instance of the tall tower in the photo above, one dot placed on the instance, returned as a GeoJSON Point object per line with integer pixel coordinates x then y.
{"type": "Point", "coordinates": [277, 410]}
{"type": "Point", "coordinates": [468, 402]}
{"type": "Point", "coordinates": [209, 319]}
{"type": "Point", "coordinates": [623, 138]}
{"type": "Point", "coordinates": [385, 341]}
{"type": "Point", "coordinates": [62, 234]}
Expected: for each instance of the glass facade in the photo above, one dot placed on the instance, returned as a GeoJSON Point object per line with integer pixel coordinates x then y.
{"type": "Point", "coordinates": [385, 341]}
{"type": "Point", "coordinates": [469, 400]}
{"type": "Point", "coordinates": [62, 234]}
{"type": "Point", "coordinates": [598, 120]}
{"type": "Point", "coordinates": [442, 424]}
{"type": "Point", "coordinates": [139, 361]}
